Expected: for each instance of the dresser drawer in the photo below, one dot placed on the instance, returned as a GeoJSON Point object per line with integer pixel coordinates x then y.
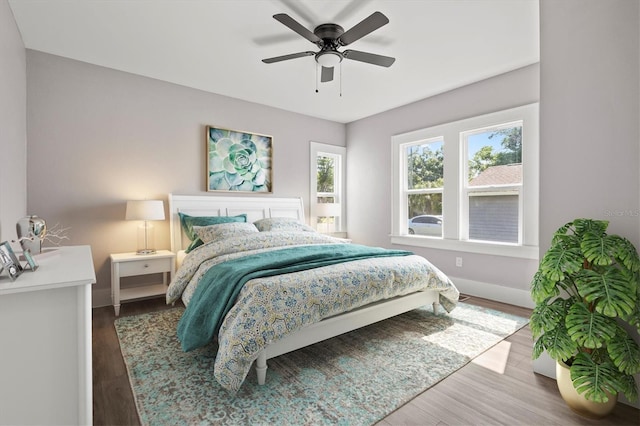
{"type": "Point", "coordinates": [143, 267]}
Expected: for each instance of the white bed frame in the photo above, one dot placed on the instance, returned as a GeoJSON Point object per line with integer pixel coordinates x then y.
{"type": "Point", "coordinates": [260, 207]}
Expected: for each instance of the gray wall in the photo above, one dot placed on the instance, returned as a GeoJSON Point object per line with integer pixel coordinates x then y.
{"type": "Point", "coordinates": [369, 174]}
{"type": "Point", "coordinates": [13, 125]}
{"type": "Point", "coordinates": [98, 137]}
{"type": "Point", "coordinates": [589, 83]}
{"type": "Point", "coordinates": [589, 110]}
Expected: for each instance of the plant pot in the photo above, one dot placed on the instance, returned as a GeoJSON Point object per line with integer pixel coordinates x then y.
{"type": "Point", "coordinates": [577, 402]}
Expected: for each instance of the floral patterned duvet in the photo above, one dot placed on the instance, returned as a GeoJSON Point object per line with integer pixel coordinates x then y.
{"type": "Point", "coordinates": [269, 308]}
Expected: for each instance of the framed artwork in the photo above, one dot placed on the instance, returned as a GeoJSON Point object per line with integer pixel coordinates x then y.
{"type": "Point", "coordinates": [10, 261]}
{"type": "Point", "coordinates": [238, 161]}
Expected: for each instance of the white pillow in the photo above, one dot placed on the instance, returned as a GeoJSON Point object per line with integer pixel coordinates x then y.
{"type": "Point", "coordinates": [282, 224]}
{"type": "Point", "coordinates": [223, 231]}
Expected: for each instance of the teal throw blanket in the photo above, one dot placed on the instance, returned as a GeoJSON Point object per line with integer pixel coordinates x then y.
{"type": "Point", "coordinates": [221, 284]}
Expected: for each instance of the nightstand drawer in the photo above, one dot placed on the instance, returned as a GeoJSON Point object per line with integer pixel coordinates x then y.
{"type": "Point", "coordinates": [143, 267]}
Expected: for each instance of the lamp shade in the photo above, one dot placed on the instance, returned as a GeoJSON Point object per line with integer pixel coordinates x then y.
{"type": "Point", "coordinates": [145, 210]}
{"type": "Point", "coordinates": [328, 209]}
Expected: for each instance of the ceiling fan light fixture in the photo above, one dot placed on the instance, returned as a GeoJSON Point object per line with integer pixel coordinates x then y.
{"type": "Point", "coordinates": [328, 59]}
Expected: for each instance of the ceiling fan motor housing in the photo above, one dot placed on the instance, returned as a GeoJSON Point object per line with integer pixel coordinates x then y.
{"type": "Point", "coordinates": [329, 33]}
{"type": "Point", "coordinates": [328, 56]}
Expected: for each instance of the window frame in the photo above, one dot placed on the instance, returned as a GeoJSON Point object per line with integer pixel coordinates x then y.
{"type": "Point", "coordinates": [486, 190]}
{"type": "Point", "coordinates": [455, 225]}
{"type": "Point", "coordinates": [340, 153]}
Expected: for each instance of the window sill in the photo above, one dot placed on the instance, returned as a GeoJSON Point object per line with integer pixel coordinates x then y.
{"type": "Point", "coordinates": [493, 249]}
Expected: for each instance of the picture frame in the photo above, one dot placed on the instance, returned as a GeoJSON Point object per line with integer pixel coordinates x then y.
{"type": "Point", "coordinates": [31, 262]}
{"type": "Point", "coordinates": [9, 261]}
{"type": "Point", "coordinates": [238, 161]}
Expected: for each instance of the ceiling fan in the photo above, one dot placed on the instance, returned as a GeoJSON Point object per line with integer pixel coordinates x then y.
{"type": "Point", "coordinates": [330, 37]}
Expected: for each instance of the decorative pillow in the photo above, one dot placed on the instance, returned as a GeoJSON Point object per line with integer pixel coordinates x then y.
{"type": "Point", "coordinates": [223, 231]}
{"type": "Point", "coordinates": [188, 222]}
{"type": "Point", "coordinates": [282, 224]}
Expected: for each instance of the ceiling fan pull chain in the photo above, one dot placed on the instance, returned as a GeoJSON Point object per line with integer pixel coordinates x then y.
{"type": "Point", "coordinates": [317, 65]}
{"type": "Point", "coordinates": [340, 79]}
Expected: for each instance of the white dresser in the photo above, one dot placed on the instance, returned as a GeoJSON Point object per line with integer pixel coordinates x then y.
{"type": "Point", "coordinates": [45, 341]}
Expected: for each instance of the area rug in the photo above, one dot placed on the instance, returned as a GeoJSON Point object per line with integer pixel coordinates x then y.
{"type": "Point", "coordinates": [354, 379]}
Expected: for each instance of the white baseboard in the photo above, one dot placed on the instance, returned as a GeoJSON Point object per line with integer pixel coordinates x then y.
{"type": "Point", "coordinates": [495, 292]}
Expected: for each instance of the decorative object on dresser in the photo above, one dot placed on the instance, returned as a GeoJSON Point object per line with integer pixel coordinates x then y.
{"type": "Point", "coordinates": [145, 210]}
{"type": "Point", "coordinates": [45, 330]}
{"type": "Point", "coordinates": [133, 264]}
{"type": "Point", "coordinates": [9, 261]}
{"type": "Point", "coordinates": [238, 161]}
{"type": "Point", "coordinates": [31, 262]}
{"type": "Point", "coordinates": [31, 231]}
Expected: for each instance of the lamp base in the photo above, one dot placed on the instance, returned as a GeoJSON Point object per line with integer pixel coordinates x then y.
{"type": "Point", "coordinates": [146, 251]}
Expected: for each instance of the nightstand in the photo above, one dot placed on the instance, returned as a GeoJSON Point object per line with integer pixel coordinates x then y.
{"type": "Point", "coordinates": [132, 264]}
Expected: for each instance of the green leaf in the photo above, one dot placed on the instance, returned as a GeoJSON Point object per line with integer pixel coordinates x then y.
{"type": "Point", "coordinates": [624, 352]}
{"type": "Point", "coordinates": [595, 380]}
{"type": "Point", "coordinates": [599, 249]}
{"type": "Point", "coordinates": [627, 254]}
{"type": "Point", "coordinates": [558, 343]}
{"type": "Point", "coordinates": [634, 319]}
{"type": "Point", "coordinates": [538, 348]}
{"type": "Point", "coordinates": [560, 233]}
{"type": "Point", "coordinates": [559, 260]}
{"type": "Point", "coordinates": [589, 329]}
{"type": "Point", "coordinates": [609, 290]}
{"type": "Point", "coordinates": [547, 316]}
{"type": "Point", "coordinates": [582, 226]}
{"type": "Point", "coordinates": [629, 388]}
{"type": "Point", "coordinates": [542, 288]}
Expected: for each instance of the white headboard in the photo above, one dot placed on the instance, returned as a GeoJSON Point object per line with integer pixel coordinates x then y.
{"type": "Point", "coordinates": [214, 205]}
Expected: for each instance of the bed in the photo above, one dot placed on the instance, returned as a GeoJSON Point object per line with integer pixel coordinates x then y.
{"type": "Point", "coordinates": [369, 289]}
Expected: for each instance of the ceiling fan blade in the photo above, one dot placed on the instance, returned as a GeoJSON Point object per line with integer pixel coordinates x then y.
{"type": "Point", "coordinates": [297, 27]}
{"type": "Point", "coordinates": [287, 57]}
{"type": "Point", "coordinates": [326, 75]}
{"type": "Point", "coordinates": [370, 58]}
{"type": "Point", "coordinates": [367, 25]}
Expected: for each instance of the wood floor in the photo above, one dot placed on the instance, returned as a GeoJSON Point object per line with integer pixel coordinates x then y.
{"type": "Point", "coordinates": [497, 388]}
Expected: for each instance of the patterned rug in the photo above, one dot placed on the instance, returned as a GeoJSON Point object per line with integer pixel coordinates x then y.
{"type": "Point", "coordinates": [356, 379]}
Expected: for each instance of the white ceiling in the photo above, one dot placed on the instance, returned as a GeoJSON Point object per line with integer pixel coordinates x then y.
{"type": "Point", "coordinates": [217, 46]}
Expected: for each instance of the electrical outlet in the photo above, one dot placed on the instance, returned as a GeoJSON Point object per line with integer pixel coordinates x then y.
{"type": "Point", "coordinates": [459, 262]}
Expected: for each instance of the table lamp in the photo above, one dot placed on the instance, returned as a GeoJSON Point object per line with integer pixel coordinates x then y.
{"type": "Point", "coordinates": [328, 210]}
{"type": "Point", "coordinates": [145, 210]}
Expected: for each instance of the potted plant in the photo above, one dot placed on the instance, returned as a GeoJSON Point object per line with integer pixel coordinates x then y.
{"type": "Point", "coordinates": [587, 296]}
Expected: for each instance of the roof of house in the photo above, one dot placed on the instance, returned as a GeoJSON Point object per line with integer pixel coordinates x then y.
{"type": "Point", "coordinates": [499, 175]}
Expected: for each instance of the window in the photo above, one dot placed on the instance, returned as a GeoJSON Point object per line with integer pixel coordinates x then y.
{"type": "Point", "coordinates": [327, 204]}
{"type": "Point", "coordinates": [492, 183]}
{"type": "Point", "coordinates": [469, 185]}
{"type": "Point", "coordinates": [424, 185]}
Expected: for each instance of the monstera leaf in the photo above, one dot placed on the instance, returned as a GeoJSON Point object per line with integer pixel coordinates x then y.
{"type": "Point", "coordinates": [547, 316]}
{"type": "Point", "coordinates": [627, 255]}
{"type": "Point", "coordinates": [611, 292]}
{"type": "Point", "coordinates": [543, 288]}
{"type": "Point", "coordinates": [597, 381]}
{"type": "Point", "coordinates": [589, 329]}
{"type": "Point", "coordinates": [582, 226]}
{"type": "Point", "coordinates": [557, 343]}
{"type": "Point", "coordinates": [598, 249]}
{"type": "Point", "coordinates": [624, 352]}
{"type": "Point", "coordinates": [561, 260]}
